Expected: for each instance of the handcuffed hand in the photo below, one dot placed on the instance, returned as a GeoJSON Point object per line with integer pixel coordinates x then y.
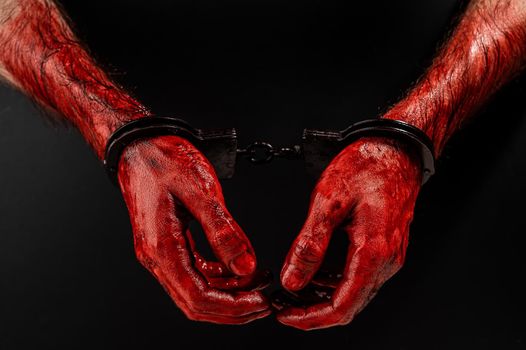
{"type": "Point", "coordinates": [369, 190]}
{"type": "Point", "coordinates": [166, 182]}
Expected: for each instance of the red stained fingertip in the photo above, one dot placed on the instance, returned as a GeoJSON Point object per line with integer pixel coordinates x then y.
{"type": "Point", "coordinates": [293, 279]}
{"type": "Point", "coordinates": [243, 264]}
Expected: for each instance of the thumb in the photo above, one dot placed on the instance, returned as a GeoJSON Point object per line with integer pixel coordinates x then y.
{"type": "Point", "coordinates": [228, 241]}
{"type": "Point", "coordinates": [308, 249]}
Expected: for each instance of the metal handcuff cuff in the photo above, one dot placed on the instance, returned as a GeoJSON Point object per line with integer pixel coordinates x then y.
{"type": "Point", "coordinates": [220, 146]}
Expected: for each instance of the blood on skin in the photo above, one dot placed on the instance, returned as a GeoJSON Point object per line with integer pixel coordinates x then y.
{"type": "Point", "coordinates": [165, 181]}
{"type": "Point", "coordinates": [371, 187]}
{"type": "Point", "coordinates": [43, 57]}
{"type": "Point", "coordinates": [486, 50]}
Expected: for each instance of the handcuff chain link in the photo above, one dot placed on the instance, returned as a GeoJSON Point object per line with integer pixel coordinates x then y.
{"type": "Point", "coordinates": [260, 152]}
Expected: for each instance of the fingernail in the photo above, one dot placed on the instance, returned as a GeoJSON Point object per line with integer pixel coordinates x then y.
{"type": "Point", "coordinates": [243, 264]}
{"type": "Point", "coordinates": [294, 279]}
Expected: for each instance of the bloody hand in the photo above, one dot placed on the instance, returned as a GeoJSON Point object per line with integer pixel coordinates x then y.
{"type": "Point", "coordinates": [369, 190]}
{"type": "Point", "coordinates": [166, 182]}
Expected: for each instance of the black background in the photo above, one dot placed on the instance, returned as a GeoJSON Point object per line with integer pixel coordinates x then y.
{"type": "Point", "coordinates": [69, 278]}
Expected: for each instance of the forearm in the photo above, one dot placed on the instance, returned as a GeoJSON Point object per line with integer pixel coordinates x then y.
{"type": "Point", "coordinates": [486, 50]}
{"type": "Point", "coordinates": [41, 56]}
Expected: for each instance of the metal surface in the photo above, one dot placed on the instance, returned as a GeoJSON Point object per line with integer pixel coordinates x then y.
{"type": "Point", "coordinates": [317, 149]}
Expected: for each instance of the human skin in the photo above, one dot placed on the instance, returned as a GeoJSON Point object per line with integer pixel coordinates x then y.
{"type": "Point", "coordinates": [369, 189]}
{"type": "Point", "coordinates": [166, 182]}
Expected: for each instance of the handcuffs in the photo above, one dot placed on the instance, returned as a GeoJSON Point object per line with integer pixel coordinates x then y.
{"type": "Point", "coordinates": [220, 146]}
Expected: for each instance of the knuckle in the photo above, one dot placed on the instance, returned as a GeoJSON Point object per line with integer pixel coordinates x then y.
{"type": "Point", "coordinates": [225, 239]}
{"type": "Point", "coordinates": [215, 209]}
{"type": "Point", "coordinates": [309, 251]}
{"type": "Point", "coordinates": [224, 232]}
{"type": "Point", "coordinates": [229, 243]}
{"type": "Point", "coordinates": [216, 215]}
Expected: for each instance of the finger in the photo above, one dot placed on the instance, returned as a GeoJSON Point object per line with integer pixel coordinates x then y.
{"type": "Point", "coordinates": [228, 241]}
{"type": "Point", "coordinates": [201, 194]}
{"type": "Point", "coordinates": [364, 273]}
{"type": "Point", "coordinates": [329, 313]}
{"type": "Point", "coordinates": [309, 318]}
{"type": "Point", "coordinates": [308, 249]}
{"type": "Point", "coordinates": [219, 277]}
{"type": "Point", "coordinates": [231, 304]}
{"type": "Point", "coordinates": [166, 253]}
{"type": "Point", "coordinates": [194, 296]}
{"type": "Point", "coordinates": [159, 235]}
{"type": "Point", "coordinates": [257, 281]}
{"type": "Point", "coordinates": [229, 320]}
{"type": "Point", "coordinates": [210, 269]}
{"type": "Point", "coordinates": [186, 285]}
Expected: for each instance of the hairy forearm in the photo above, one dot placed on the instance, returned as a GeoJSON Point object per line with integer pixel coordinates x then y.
{"type": "Point", "coordinates": [41, 56]}
{"type": "Point", "coordinates": [487, 49]}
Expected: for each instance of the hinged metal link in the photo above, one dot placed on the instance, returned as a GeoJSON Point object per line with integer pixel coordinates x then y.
{"type": "Point", "coordinates": [263, 152]}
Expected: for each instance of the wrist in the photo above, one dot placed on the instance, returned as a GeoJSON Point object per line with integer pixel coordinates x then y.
{"type": "Point", "coordinates": [97, 128]}
{"type": "Point", "coordinates": [140, 159]}
{"type": "Point", "coordinates": [421, 113]}
{"type": "Point", "coordinates": [409, 111]}
{"type": "Point", "coordinates": [410, 139]}
{"type": "Point", "coordinates": [152, 155]}
{"type": "Point", "coordinates": [399, 156]}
